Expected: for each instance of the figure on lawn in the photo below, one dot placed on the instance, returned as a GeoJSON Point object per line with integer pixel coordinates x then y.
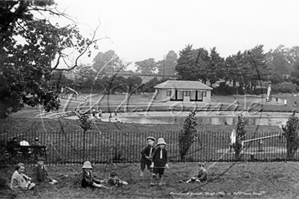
{"type": "Point", "coordinates": [147, 152]}
{"type": "Point", "coordinates": [159, 161]}
{"type": "Point", "coordinates": [88, 179]}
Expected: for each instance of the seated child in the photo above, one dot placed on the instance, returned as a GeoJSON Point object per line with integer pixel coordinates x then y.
{"type": "Point", "coordinates": [88, 180]}
{"type": "Point", "coordinates": [20, 181]}
{"type": "Point", "coordinates": [41, 173]}
{"type": "Point", "coordinates": [113, 180]}
{"type": "Point", "coordinates": [201, 175]}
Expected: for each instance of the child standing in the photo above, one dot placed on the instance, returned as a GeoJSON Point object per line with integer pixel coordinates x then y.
{"type": "Point", "coordinates": [160, 159]}
{"type": "Point", "coordinates": [201, 175]}
{"type": "Point", "coordinates": [19, 180]}
{"type": "Point", "coordinates": [146, 155]}
{"type": "Point", "coordinates": [113, 180]}
{"type": "Point", "coordinates": [41, 173]}
{"type": "Point", "coordinates": [88, 179]}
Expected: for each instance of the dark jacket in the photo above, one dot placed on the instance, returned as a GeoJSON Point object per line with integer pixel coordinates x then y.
{"type": "Point", "coordinates": [146, 152]}
{"type": "Point", "coordinates": [160, 162]}
{"type": "Point", "coordinates": [202, 174]}
{"type": "Point", "coordinates": [41, 174]}
{"type": "Point", "coordinates": [88, 179]}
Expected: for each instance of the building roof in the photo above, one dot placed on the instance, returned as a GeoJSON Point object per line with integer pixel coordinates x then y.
{"type": "Point", "coordinates": [180, 84]}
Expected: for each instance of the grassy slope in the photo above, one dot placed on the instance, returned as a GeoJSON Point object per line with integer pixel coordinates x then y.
{"type": "Point", "coordinates": [276, 180]}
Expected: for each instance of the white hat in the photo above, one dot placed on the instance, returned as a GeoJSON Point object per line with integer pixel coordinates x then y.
{"type": "Point", "coordinates": [87, 165]}
{"type": "Point", "coordinates": [161, 141]}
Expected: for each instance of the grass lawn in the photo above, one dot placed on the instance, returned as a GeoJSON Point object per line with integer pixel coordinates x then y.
{"type": "Point", "coordinates": [233, 180]}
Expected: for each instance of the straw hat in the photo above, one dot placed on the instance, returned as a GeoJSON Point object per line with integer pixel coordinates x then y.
{"type": "Point", "coordinates": [87, 165]}
{"type": "Point", "coordinates": [151, 138]}
{"type": "Point", "coordinates": [161, 141]}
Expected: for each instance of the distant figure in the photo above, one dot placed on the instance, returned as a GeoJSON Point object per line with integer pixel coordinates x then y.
{"type": "Point", "coordinates": [100, 113]}
{"type": "Point", "coordinates": [232, 139]}
{"type": "Point", "coordinates": [285, 102]}
{"type": "Point", "coordinates": [94, 112]}
{"type": "Point", "coordinates": [277, 100]}
{"type": "Point", "coordinates": [295, 103]}
{"type": "Point", "coordinates": [12, 145]}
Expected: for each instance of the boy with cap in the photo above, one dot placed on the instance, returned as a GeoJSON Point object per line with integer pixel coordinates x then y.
{"type": "Point", "coordinates": [201, 175]}
{"type": "Point", "coordinates": [41, 173]}
{"type": "Point", "coordinates": [20, 181]}
{"type": "Point", "coordinates": [113, 180]}
{"type": "Point", "coordinates": [88, 179]}
{"type": "Point", "coordinates": [159, 161]}
{"type": "Point", "coordinates": [146, 155]}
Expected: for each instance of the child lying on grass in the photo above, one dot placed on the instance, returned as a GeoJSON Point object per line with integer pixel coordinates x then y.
{"type": "Point", "coordinates": [87, 178]}
{"type": "Point", "coordinates": [20, 181]}
{"type": "Point", "coordinates": [113, 180]}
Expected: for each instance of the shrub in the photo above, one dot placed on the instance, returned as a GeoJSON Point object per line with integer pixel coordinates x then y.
{"type": "Point", "coordinates": [240, 135]}
{"type": "Point", "coordinates": [187, 134]}
{"type": "Point", "coordinates": [291, 133]}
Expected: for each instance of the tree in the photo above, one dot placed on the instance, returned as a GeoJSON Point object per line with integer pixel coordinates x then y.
{"type": "Point", "coordinates": [295, 73]}
{"type": "Point", "coordinates": [215, 67]}
{"type": "Point", "coordinates": [291, 133]}
{"type": "Point", "coordinates": [167, 66]}
{"type": "Point", "coordinates": [85, 78]}
{"type": "Point", "coordinates": [31, 49]}
{"type": "Point", "coordinates": [187, 135]}
{"type": "Point", "coordinates": [240, 136]}
{"type": "Point", "coordinates": [106, 62]}
{"type": "Point", "coordinates": [146, 66]}
{"type": "Point", "coordinates": [185, 67]}
{"type": "Point", "coordinates": [133, 83]}
{"type": "Point", "coordinates": [285, 62]}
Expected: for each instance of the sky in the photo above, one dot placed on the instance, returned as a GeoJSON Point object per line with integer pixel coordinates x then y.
{"type": "Point", "coordinates": [142, 29]}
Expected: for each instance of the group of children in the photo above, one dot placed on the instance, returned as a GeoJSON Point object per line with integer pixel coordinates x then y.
{"type": "Point", "coordinates": [154, 157]}
{"type": "Point", "coordinates": [21, 181]}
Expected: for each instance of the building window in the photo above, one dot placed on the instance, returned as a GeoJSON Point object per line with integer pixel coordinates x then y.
{"type": "Point", "coordinates": [204, 93]}
{"type": "Point", "coordinates": [168, 92]}
{"type": "Point", "coordinates": [187, 93]}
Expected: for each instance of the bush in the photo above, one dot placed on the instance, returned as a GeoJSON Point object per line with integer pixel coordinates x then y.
{"type": "Point", "coordinates": [187, 134]}
{"type": "Point", "coordinates": [291, 133]}
{"type": "Point", "coordinates": [285, 87]}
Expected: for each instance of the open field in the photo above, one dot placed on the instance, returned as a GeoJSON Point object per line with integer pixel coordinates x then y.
{"type": "Point", "coordinates": [226, 180]}
{"type": "Point", "coordinates": [142, 102]}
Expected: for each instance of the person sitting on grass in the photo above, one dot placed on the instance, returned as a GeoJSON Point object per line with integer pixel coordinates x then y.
{"type": "Point", "coordinates": [41, 173]}
{"type": "Point", "coordinates": [113, 180]}
{"type": "Point", "coordinates": [201, 175]}
{"type": "Point", "coordinates": [20, 181]}
{"type": "Point", "coordinates": [159, 161]}
{"type": "Point", "coordinates": [146, 155]}
{"type": "Point", "coordinates": [88, 179]}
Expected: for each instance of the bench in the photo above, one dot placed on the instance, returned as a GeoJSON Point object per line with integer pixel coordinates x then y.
{"type": "Point", "coordinates": [36, 150]}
